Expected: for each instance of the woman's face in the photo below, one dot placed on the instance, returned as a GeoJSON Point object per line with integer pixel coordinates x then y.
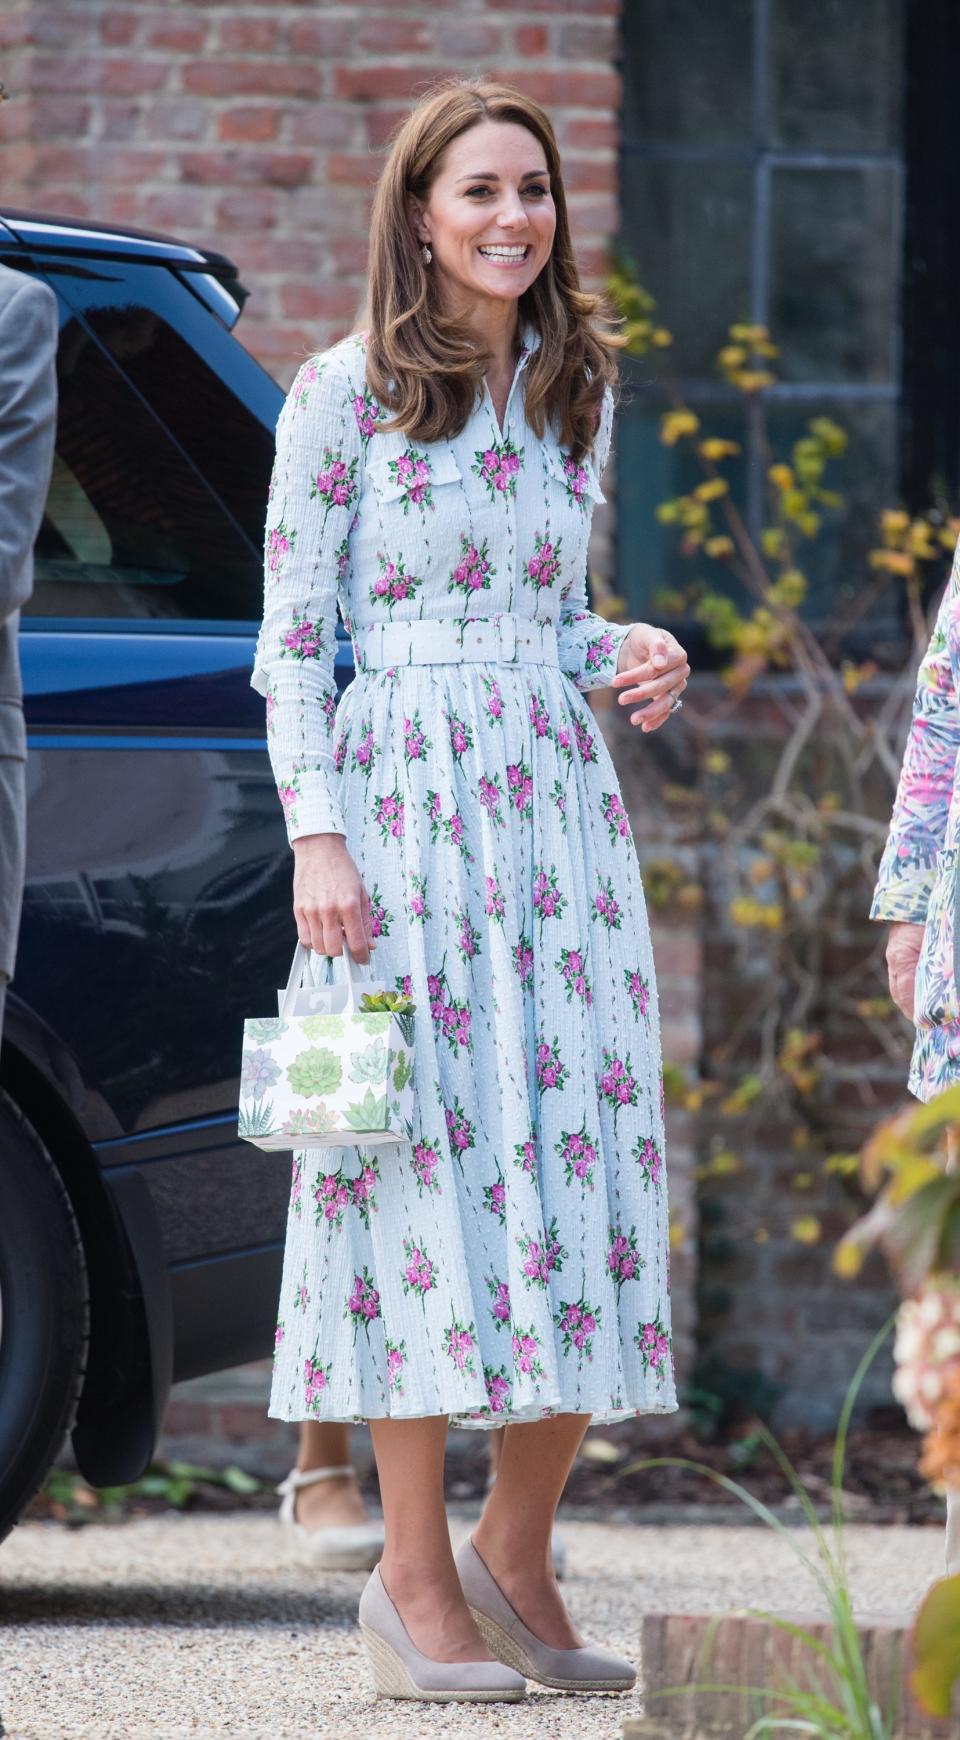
{"type": "Point", "coordinates": [489, 217]}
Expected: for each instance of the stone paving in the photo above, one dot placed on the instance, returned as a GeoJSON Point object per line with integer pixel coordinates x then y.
{"type": "Point", "coordinates": [218, 1625]}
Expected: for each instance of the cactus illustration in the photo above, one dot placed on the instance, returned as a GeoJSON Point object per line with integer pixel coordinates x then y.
{"type": "Point", "coordinates": [374, 1021]}
{"type": "Point", "coordinates": [261, 1032]}
{"type": "Point", "coordinates": [312, 1121]}
{"type": "Point", "coordinates": [369, 1064]}
{"type": "Point", "coordinates": [316, 1071]}
{"type": "Point", "coordinates": [255, 1120]}
{"type": "Point", "coordinates": [321, 1026]}
{"type": "Point", "coordinates": [404, 1021]}
{"type": "Point", "coordinates": [370, 1113]}
{"type": "Point", "coordinates": [402, 1072]}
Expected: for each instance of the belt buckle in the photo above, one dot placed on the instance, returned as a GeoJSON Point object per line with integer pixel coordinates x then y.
{"type": "Point", "coordinates": [507, 636]}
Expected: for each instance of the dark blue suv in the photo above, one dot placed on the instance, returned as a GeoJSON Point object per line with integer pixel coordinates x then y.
{"type": "Point", "coordinates": [140, 1240]}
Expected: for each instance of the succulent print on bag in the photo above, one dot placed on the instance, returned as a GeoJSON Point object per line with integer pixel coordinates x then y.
{"type": "Point", "coordinates": [579, 1152]}
{"type": "Point", "coordinates": [498, 466]}
{"type": "Point", "coordinates": [370, 1064]}
{"type": "Point", "coordinates": [336, 482]}
{"type": "Point", "coordinates": [459, 1344]}
{"type": "Point", "coordinates": [321, 1026]}
{"type": "Point", "coordinates": [312, 1121]}
{"type": "Point", "coordinates": [542, 569]}
{"type": "Point", "coordinates": [261, 1032]}
{"type": "Point", "coordinates": [368, 1113]}
{"type": "Point", "coordinates": [578, 1323]}
{"type": "Point", "coordinates": [317, 1071]}
{"type": "Point", "coordinates": [412, 472]}
{"type": "Point", "coordinates": [258, 1072]}
{"type": "Point", "coordinates": [624, 1261]}
{"type": "Point", "coordinates": [474, 571]}
{"type": "Point", "coordinates": [656, 1347]}
{"type": "Point", "coordinates": [419, 1272]}
{"type": "Point", "coordinates": [542, 1257]}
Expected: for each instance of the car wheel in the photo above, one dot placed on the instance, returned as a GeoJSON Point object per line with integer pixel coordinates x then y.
{"type": "Point", "coordinates": [44, 1312]}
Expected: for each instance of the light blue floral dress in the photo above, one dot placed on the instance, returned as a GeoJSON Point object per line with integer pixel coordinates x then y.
{"type": "Point", "coordinates": [512, 1261]}
{"type": "Point", "coordinates": [917, 882]}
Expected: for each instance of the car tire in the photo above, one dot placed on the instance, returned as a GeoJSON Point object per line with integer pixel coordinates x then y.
{"type": "Point", "coordinates": [44, 1313]}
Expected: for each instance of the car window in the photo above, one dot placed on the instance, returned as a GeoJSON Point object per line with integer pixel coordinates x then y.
{"type": "Point", "coordinates": [134, 526]}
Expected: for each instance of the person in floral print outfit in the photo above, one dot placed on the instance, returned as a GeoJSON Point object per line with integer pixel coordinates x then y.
{"type": "Point", "coordinates": [459, 818]}
{"type": "Point", "coordinates": [918, 886]}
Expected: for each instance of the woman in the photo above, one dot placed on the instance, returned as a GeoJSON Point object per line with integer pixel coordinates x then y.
{"type": "Point", "coordinates": [917, 888]}
{"type": "Point", "coordinates": [460, 814]}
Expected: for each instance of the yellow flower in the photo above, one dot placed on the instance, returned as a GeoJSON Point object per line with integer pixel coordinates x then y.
{"type": "Point", "coordinates": [752, 380]}
{"type": "Point", "coordinates": [847, 1259]}
{"type": "Point", "coordinates": [732, 356]}
{"type": "Point", "coordinates": [715, 448]}
{"type": "Point", "coordinates": [719, 547]}
{"type": "Point", "coordinates": [674, 424]}
{"type": "Point", "coordinates": [661, 338]}
{"type": "Point", "coordinates": [716, 761]}
{"type": "Point", "coordinates": [806, 1230]}
{"type": "Point", "coordinates": [892, 561]}
{"type": "Point", "coordinates": [894, 522]}
{"type": "Point", "coordinates": [781, 476]}
{"type": "Point", "coordinates": [711, 489]}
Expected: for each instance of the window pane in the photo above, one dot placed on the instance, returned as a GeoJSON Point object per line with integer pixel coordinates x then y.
{"type": "Point", "coordinates": [687, 227]}
{"type": "Point", "coordinates": [687, 70]}
{"type": "Point", "coordinates": [836, 74]}
{"type": "Point", "coordinates": [130, 527]}
{"type": "Point", "coordinates": [835, 272]}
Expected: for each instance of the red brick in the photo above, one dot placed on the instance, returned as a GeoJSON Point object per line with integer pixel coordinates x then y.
{"type": "Point", "coordinates": [184, 37]}
{"type": "Point", "coordinates": [388, 34]}
{"type": "Point", "coordinates": [118, 208]}
{"type": "Point", "coordinates": [318, 301]}
{"type": "Point", "coordinates": [118, 29]}
{"type": "Point", "coordinates": [251, 168]}
{"type": "Point", "coordinates": [348, 254]}
{"type": "Point", "coordinates": [55, 72]}
{"type": "Point", "coordinates": [590, 174]}
{"type": "Point", "coordinates": [119, 120]}
{"type": "Point", "coordinates": [532, 39]}
{"type": "Point", "coordinates": [325, 123]}
{"type": "Point", "coordinates": [584, 90]}
{"type": "Point", "coordinates": [61, 29]}
{"type": "Point", "coordinates": [176, 119]}
{"type": "Point", "coordinates": [274, 256]}
{"type": "Point", "coordinates": [14, 29]}
{"type": "Point", "coordinates": [592, 132]}
{"type": "Point", "coordinates": [469, 39]}
{"type": "Point", "coordinates": [596, 41]}
{"type": "Point", "coordinates": [130, 78]}
{"type": "Point", "coordinates": [250, 35]}
{"type": "Point", "coordinates": [227, 78]}
{"type": "Point", "coordinates": [250, 126]}
{"type": "Point", "coordinates": [559, 7]}
{"type": "Point", "coordinates": [382, 123]}
{"type": "Point", "coordinates": [177, 210]}
{"type": "Point", "coordinates": [357, 168]}
{"type": "Point", "coordinates": [187, 1419]}
{"type": "Point", "coordinates": [59, 117]}
{"type": "Point", "coordinates": [373, 81]}
{"type": "Point", "coordinates": [329, 38]}
{"type": "Point", "coordinates": [256, 208]}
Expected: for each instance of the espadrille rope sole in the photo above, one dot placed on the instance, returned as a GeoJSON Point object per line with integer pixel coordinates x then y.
{"type": "Point", "coordinates": [392, 1680]}
{"type": "Point", "coordinates": [512, 1654]}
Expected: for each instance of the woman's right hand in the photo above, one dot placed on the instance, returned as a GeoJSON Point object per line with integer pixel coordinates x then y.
{"type": "Point", "coordinates": [329, 899]}
{"type": "Point", "coordinates": [903, 952]}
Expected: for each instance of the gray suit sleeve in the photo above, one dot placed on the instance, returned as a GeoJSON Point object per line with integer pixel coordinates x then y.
{"type": "Point", "coordinates": [28, 403]}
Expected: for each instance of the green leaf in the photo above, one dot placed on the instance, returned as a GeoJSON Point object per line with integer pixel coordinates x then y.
{"type": "Point", "coordinates": [402, 1072]}
{"type": "Point", "coordinates": [370, 1113]}
{"type": "Point", "coordinates": [257, 1121]}
{"type": "Point", "coordinates": [936, 1644]}
{"type": "Point", "coordinates": [238, 1480]}
{"type": "Point", "coordinates": [317, 1071]}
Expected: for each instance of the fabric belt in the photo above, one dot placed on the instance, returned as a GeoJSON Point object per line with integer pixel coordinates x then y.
{"type": "Point", "coordinates": [504, 639]}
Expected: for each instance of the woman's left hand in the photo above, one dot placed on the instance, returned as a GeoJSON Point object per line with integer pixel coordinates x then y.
{"type": "Point", "coordinates": [652, 667]}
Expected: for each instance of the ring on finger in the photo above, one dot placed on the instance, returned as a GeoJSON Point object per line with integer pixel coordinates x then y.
{"type": "Point", "coordinates": [675, 701]}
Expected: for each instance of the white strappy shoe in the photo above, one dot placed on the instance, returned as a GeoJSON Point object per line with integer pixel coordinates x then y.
{"type": "Point", "coordinates": [357, 1547]}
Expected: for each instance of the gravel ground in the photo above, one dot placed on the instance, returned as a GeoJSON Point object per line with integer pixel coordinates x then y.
{"type": "Point", "coordinates": [214, 1625]}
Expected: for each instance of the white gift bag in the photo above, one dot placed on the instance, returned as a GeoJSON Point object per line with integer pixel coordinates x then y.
{"type": "Point", "coordinates": [323, 1073]}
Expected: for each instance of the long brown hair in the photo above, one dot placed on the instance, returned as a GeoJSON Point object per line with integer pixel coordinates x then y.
{"type": "Point", "coordinates": [422, 364]}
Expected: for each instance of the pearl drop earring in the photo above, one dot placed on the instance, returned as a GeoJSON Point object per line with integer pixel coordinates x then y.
{"type": "Point", "coordinates": [427, 254]}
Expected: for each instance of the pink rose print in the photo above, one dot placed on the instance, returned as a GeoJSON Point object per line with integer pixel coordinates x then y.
{"type": "Point", "coordinates": [495, 1198]}
{"type": "Point", "coordinates": [393, 584]}
{"type": "Point", "coordinates": [363, 1303]}
{"type": "Point", "coordinates": [296, 1185]}
{"type": "Point", "coordinates": [474, 571]}
{"type": "Point", "coordinates": [494, 699]}
{"type": "Point", "coordinates": [650, 1160]}
{"type": "Point", "coordinates": [539, 716]}
{"type": "Point", "coordinates": [616, 1084]}
{"type": "Point", "coordinates": [656, 1348]}
{"type": "Point", "coordinates": [525, 1156]}
{"type": "Point", "coordinates": [601, 651]}
{"type": "Point", "coordinates": [542, 1257]}
{"type": "Point", "coordinates": [576, 478]}
{"type": "Point", "coordinates": [605, 906]}
{"type": "Point", "coordinates": [366, 751]}
{"type": "Point", "coordinates": [426, 1163]}
{"type": "Point", "coordinates": [565, 743]}
{"type": "Point", "coordinates": [306, 377]}
{"type": "Point", "coordinates": [340, 752]}
{"type": "Point", "coordinates": [450, 1018]}
{"type": "Point", "coordinates": [336, 482]}
{"type": "Point", "coordinates": [548, 901]}
{"type": "Point", "coordinates": [498, 466]}
{"type": "Point", "coordinates": [460, 1131]}
{"type": "Point", "coordinates": [461, 736]}
{"type": "Point", "coordinates": [280, 542]}
{"type": "Point", "coordinates": [302, 640]}
{"type": "Point", "coordinates": [615, 816]}
{"type": "Point", "coordinates": [362, 1190]}
{"type": "Point", "coordinates": [499, 1292]}
{"type": "Point", "coordinates": [412, 472]}
{"type": "Point", "coordinates": [417, 907]}
{"type": "Point", "coordinates": [639, 991]}
{"type": "Point", "coordinates": [584, 740]}
{"type": "Point", "coordinates": [388, 814]}
{"type": "Point", "coordinates": [542, 568]}
{"type": "Point", "coordinates": [342, 559]}
{"type": "Point", "coordinates": [278, 1336]}
{"type": "Point", "coordinates": [578, 1150]}
{"type": "Point", "coordinates": [419, 1272]}
{"type": "Point", "coordinates": [467, 937]}
{"type": "Point", "coordinates": [451, 828]}
{"type": "Point", "coordinates": [459, 1343]}
{"type": "Point", "coordinates": [288, 795]}
{"type": "Point", "coordinates": [494, 905]}
{"type": "Point", "coordinates": [415, 740]}
{"type": "Point", "coordinates": [316, 1379]}
{"type": "Point", "coordinates": [498, 1388]}
{"type": "Point", "coordinates": [491, 798]}
{"type": "Point", "coordinates": [380, 918]}
{"type": "Point", "coordinates": [396, 1361]}
{"type": "Point", "coordinates": [624, 1261]}
{"type": "Point", "coordinates": [551, 1073]}
{"type": "Point", "coordinates": [301, 1298]}
{"type": "Point", "coordinates": [520, 781]}
{"type": "Point", "coordinates": [572, 969]}
{"type": "Point", "coordinates": [331, 1194]}
{"type": "Point", "coordinates": [523, 960]}
{"type": "Point", "coordinates": [368, 414]}
{"type": "Point", "coordinates": [578, 1323]}
{"type": "Point", "coordinates": [525, 1344]}
{"type": "Point", "coordinates": [271, 707]}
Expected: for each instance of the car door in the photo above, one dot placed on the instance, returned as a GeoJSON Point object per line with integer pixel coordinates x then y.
{"type": "Point", "coordinates": [157, 906]}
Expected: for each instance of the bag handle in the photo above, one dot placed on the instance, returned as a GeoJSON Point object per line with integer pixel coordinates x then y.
{"type": "Point", "coordinates": [353, 973]}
